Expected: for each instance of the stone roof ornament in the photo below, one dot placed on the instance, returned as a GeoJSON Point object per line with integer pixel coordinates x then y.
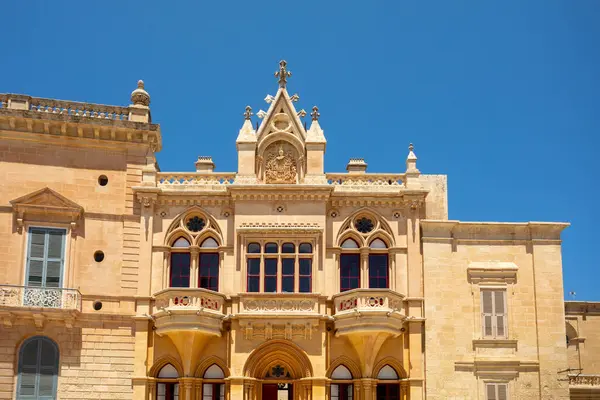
{"type": "Point", "coordinates": [261, 114]}
{"type": "Point", "coordinates": [295, 98]}
{"type": "Point", "coordinates": [248, 113]}
{"type": "Point", "coordinates": [412, 172]}
{"type": "Point", "coordinates": [139, 96]}
{"type": "Point", "coordinates": [283, 73]}
{"type": "Point", "coordinates": [269, 99]}
{"type": "Point", "coordinates": [302, 113]}
{"type": "Point", "coordinates": [315, 113]}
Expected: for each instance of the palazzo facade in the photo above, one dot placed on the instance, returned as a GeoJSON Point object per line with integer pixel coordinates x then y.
{"type": "Point", "coordinates": [278, 281]}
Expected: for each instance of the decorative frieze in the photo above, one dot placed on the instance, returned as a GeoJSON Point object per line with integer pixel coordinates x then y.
{"type": "Point", "coordinates": [584, 380]}
{"type": "Point", "coordinates": [38, 297]}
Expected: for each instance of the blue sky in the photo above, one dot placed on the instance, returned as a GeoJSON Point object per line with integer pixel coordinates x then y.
{"type": "Point", "coordinates": [502, 96]}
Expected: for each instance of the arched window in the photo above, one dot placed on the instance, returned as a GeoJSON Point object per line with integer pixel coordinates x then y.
{"type": "Point", "coordinates": [349, 266]}
{"type": "Point", "coordinates": [386, 388]}
{"type": "Point", "coordinates": [341, 387]}
{"type": "Point", "coordinates": [213, 387]}
{"type": "Point", "coordinates": [378, 265]}
{"type": "Point", "coordinates": [208, 275]}
{"type": "Point", "coordinates": [180, 263]}
{"type": "Point", "coordinates": [167, 387]}
{"type": "Point", "coordinates": [38, 369]}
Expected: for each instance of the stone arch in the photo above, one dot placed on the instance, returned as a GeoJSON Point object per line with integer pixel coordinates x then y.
{"type": "Point", "coordinates": [206, 233]}
{"type": "Point", "coordinates": [289, 138]}
{"type": "Point", "coordinates": [161, 362]}
{"type": "Point", "coordinates": [380, 234]}
{"type": "Point", "coordinates": [382, 227]}
{"type": "Point", "coordinates": [346, 362]}
{"type": "Point", "coordinates": [350, 234]}
{"type": "Point", "coordinates": [176, 234]}
{"type": "Point", "coordinates": [210, 361]}
{"type": "Point", "coordinates": [282, 352]}
{"type": "Point", "coordinates": [392, 362]}
{"type": "Point", "coordinates": [571, 332]}
{"type": "Point", "coordinates": [26, 338]}
{"type": "Point", "coordinates": [177, 226]}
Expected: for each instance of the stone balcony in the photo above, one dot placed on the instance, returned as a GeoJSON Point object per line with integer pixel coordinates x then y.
{"type": "Point", "coordinates": [39, 303]}
{"type": "Point", "coordinates": [584, 386]}
{"type": "Point", "coordinates": [279, 315]}
{"type": "Point", "coordinates": [188, 309]}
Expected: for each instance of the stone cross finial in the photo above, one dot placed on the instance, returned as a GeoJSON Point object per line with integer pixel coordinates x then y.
{"type": "Point", "coordinates": [315, 113]}
{"type": "Point", "coordinates": [248, 113]}
{"type": "Point", "coordinates": [411, 147]}
{"type": "Point", "coordinates": [283, 73]}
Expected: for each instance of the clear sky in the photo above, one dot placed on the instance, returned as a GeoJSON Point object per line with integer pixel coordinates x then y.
{"type": "Point", "coordinates": [502, 96]}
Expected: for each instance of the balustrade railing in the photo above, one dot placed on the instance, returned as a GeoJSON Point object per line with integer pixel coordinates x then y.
{"type": "Point", "coordinates": [40, 297]}
{"type": "Point", "coordinates": [194, 179]}
{"type": "Point", "coordinates": [293, 303]}
{"type": "Point", "coordinates": [71, 108]}
{"type": "Point", "coordinates": [368, 300]}
{"type": "Point", "coordinates": [584, 380]}
{"type": "Point", "coordinates": [382, 180]}
{"type": "Point", "coordinates": [189, 298]}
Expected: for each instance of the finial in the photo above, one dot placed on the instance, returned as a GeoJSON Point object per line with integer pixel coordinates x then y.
{"type": "Point", "coordinates": [139, 96]}
{"type": "Point", "coordinates": [295, 98]}
{"type": "Point", "coordinates": [315, 113]}
{"type": "Point", "coordinates": [248, 113]}
{"type": "Point", "coordinates": [411, 147]}
{"type": "Point", "coordinates": [283, 73]}
{"type": "Point", "coordinates": [302, 113]}
{"type": "Point", "coordinates": [269, 99]}
{"type": "Point", "coordinates": [261, 114]}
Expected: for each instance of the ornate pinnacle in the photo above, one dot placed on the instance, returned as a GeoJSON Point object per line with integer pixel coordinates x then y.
{"type": "Point", "coordinates": [411, 147]}
{"type": "Point", "coordinates": [302, 113]}
{"type": "Point", "coordinates": [315, 113]}
{"type": "Point", "coordinates": [283, 73]}
{"type": "Point", "coordinates": [248, 112]}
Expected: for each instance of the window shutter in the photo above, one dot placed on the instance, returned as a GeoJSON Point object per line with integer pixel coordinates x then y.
{"type": "Point", "coordinates": [54, 258]}
{"type": "Point", "coordinates": [487, 312]}
{"type": "Point", "coordinates": [491, 391]}
{"type": "Point", "coordinates": [45, 258]}
{"type": "Point", "coordinates": [500, 312]}
{"type": "Point", "coordinates": [502, 391]}
{"type": "Point", "coordinates": [35, 258]}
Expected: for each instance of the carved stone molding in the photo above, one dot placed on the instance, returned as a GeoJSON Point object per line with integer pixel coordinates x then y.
{"type": "Point", "coordinates": [278, 330]}
{"type": "Point", "coordinates": [492, 271]}
{"type": "Point", "coordinates": [280, 166]}
{"type": "Point", "coordinates": [273, 227]}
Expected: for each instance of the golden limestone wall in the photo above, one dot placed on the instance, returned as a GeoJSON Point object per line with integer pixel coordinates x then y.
{"type": "Point", "coordinates": [583, 332]}
{"type": "Point", "coordinates": [459, 260]}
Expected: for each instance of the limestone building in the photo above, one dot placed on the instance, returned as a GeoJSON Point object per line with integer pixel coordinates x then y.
{"type": "Point", "coordinates": [278, 281]}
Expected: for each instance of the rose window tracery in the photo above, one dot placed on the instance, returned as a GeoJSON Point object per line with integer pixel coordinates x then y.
{"type": "Point", "coordinates": [364, 225]}
{"type": "Point", "coordinates": [196, 224]}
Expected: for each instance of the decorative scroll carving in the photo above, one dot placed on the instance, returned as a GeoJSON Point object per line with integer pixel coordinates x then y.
{"type": "Point", "coordinates": [22, 296]}
{"type": "Point", "coordinates": [280, 167]}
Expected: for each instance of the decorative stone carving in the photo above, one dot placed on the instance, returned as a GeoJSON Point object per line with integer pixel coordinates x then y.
{"type": "Point", "coordinates": [280, 167]}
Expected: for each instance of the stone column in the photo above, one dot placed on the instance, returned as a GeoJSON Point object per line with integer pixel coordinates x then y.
{"type": "Point", "coordinates": [186, 388]}
{"type": "Point", "coordinates": [194, 255]}
{"type": "Point", "coordinates": [369, 387]}
{"type": "Point", "coordinates": [237, 389]}
{"type": "Point", "coordinates": [364, 267]}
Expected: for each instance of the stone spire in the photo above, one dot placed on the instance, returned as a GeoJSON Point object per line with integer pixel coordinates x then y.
{"type": "Point", "coordinates": [315, 134]}
{"type": "Point", "coordinates": [412, 173]}
{"type": "Point", "coordinates": [247, 133]}
{"type": "Point", "coordinates": [139, 110]}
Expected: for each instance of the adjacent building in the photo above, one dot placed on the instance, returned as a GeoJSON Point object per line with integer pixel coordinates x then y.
{"type": "Point", "coordinates": [277, 281]}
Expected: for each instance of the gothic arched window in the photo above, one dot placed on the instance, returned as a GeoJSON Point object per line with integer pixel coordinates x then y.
{"type": "Point", "coordinates": [38, 369]}
{"type": "Point", "coordinates": [341, 385]}
{"type": "Point", "coordinates": [208, 274]}
{"type": "Point", "coordinates": [388, 385]}
{"type": "Point", "coordinates": [167, 387]}
{"type": "Point", "coordinates": [180, 263]}
{"type": "Point", "coordinates": [214, 385]}
{"type": "Point", "coordinates": [378, 265]}
{"type": "Point", "coordinates": [349, 266]}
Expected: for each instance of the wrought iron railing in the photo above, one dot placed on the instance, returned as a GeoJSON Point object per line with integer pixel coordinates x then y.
{"type": "Point", "coordinates": [40, 297]}
{"type": "Point", "coordinates": [584, 380]}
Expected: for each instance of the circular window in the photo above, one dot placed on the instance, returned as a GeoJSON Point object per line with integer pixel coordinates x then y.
{"type": "Point", "coordinates": [99, 256]}
{"type": "Point", "coordinates": [196, 224]}
{"type": "Point", "coordinates": [97, 305]}
{"type": "Point", "coordinates": [364, 225]}
{"type": "Point", "coordinates": [102, 180]}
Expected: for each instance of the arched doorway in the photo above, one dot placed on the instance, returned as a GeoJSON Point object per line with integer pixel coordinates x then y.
{"type": "Point", "coordinates": [277, 368]}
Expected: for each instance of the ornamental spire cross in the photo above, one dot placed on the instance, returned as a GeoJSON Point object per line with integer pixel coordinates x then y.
{"type": "Point", "coordinates": [248, 112]}
{"type": "Point", "coordinates": [315, 113]}
{"type": "Point", "coordinates": [283, 73]}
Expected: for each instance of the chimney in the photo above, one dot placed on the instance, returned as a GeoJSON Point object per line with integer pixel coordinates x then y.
{"type": "Point", "coordinates": [205, 164]}
{"type": "Point", "coordinates": [356, 166]}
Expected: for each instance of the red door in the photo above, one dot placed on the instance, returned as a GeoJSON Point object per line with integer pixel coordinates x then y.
{"type": "Point", "coordinates": [269, 392]}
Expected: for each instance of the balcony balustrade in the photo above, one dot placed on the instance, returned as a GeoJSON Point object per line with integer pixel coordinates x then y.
{"type": "Point", "coordinates": [585, 380]}
{"type": "Point", "coordinates": [40, 297]}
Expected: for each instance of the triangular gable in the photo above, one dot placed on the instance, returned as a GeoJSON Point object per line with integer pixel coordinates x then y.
{"type": "Point", "coordinates": [282, 104]}
{"type": "Point", "coordinates": [46, 201]}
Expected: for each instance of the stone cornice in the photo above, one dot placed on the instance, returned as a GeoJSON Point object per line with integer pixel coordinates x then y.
{"type": "Point", "coordinates": [276, 227]}
{"type": "Point", "coordinates": [41, 124]}
{"type": "Point", "coordinates": [541, 232]}
{"type": "Point", "coordinates": [280, 192]}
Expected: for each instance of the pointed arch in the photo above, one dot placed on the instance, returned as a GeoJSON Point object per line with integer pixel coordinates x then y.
{"type": "Point", "coordinates": [346, 362]}
{"type": "Point", "coordinates": [206, 363]}
{"type": "Point", "coordinates": [380, 234]}
{"type": "Point", "coordinates": [178, 226]}
{"type": "Point", "coordinates": [392, 362]}
{"type": "Point", "coordinates": [382, 227]}
{"type": "Point", "coordinates": [350, 234]}
{"type": "Point", "coordinates": [289, 138]}
{"type": "Point", "coordinates": [282, 352]}
{"type": "Point", "coordinates": [161, 362]}
{"type": "Point", "coordinates": [208, 233]}
{"type": "Point", "coordinates": [176, 234]}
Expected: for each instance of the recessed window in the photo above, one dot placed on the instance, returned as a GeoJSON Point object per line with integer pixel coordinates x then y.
{"type": "Point", "coordinates": [99, 256]}
{"type": "Point", "coordinates": [102, 180]}
{"type": "Point", "coordinates": [97, 305]}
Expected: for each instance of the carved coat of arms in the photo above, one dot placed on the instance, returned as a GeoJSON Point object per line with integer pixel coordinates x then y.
{"type": "Point", "coordinates": [280, 167]}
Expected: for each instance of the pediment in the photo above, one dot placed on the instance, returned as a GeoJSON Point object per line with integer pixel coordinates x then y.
{"type": "Point", "coordinates": [282, 117]}
{"type": "Point", "coordinates": [46, 202]}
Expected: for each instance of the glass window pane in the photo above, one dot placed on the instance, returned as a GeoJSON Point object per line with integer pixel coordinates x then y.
{"type": "Point", "coordinates": [214, 372]}
{"type": "Point", "coordinates": [37, 240]}
{"type": "Point", "coordinates": [253, 284]}
{"type": "Point", "coordinates": [387, 372]}
{"type": "Point", "coordinates": [288, 273]}
{"type": "Point", "coordinates": [288, 248]}
{"type": "Point", "coordinates": [287, 284]}
{"type": "Point", "coordinates": [270, 266]}
{"type": "Point", "coordinates": [36, 269]}
{"type": "Point", "coordinates": [341, 372]}
{"type": "Point", "coordinates": [180, 270]}
{"type": "Point", "coordinates": [499, 301]}
{"type": "Point", "coordinates": [305, 285]}
{"type": "Point", "coordinates": [335, 390]}
{"type": "Point", "coordinates": [378, 244]}
{"type": "Point", "coordinates": [305, 266]}
{"type": "Point", "coordinates": [181, 242]}
{"type": "Point", "coordinates": [271, 248]}
{"type": "Point", "coordinates": [209, 271]}
{"type": "Point", "coordinates": [305, 248]}
{"type": "Point", "coordinates": [254, 266]}
{"type": "Point", "coordinates": [378, 271]}
{"type": "Point", "coordinates": [270, 284]}
{"type": "Point", "coordinates": [209, 243]}
{"type": "Point", "coordinates": [253, 248]}
{"type": "Point", "coordinates": [349, 271]}
{"type": "Point", "coordinates": [287, 266]}
{"type": "Point", "coordinates": [53, 269]}
{"type": "Point", "coordinates": [349, 244]}
{"type": "Point", "coordinates": [168, 372]}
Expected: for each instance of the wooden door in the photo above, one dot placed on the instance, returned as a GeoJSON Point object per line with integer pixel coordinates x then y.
{"type": "Point", "coordinates": [269, 391]}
